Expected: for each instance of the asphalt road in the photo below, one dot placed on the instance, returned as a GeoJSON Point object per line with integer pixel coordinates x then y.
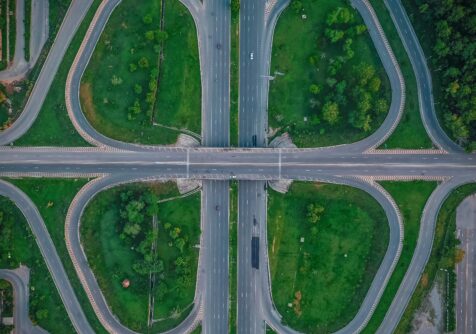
{"type": "Point", "coordinates": [48, 250]}
{"type": "Point", "coordinates": [466, 269]}
{"type": "Point", "coordinates": [423, 76]}
{"type": "Point", "coordinates": [71, 22]}
{"type": "Point", "coordinates": [338, 164]}
{"type": "Point", "coordinates": [19, 279]}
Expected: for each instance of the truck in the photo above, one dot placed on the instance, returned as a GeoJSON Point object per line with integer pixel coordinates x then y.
{"type": "Point", "coordinates": [255, 252]}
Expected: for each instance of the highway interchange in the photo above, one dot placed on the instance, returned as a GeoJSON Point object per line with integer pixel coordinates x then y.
{"type": "Point", "coordinates": [111, 162]}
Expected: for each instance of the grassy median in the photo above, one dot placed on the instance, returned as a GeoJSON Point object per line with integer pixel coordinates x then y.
{"type": "Point", "coordinates": [330, 86]}
{"type": "Point", "coordinates": [411, 198]}
{"type": "Point", "coordinates": [150, 74]}
{"type": "Point", "coordinates": [321, 268]}
{"type": "Point", "coordinates": [117, 235]}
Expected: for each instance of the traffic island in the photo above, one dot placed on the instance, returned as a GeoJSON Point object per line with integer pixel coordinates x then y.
{"type": "Point", "coordinates": [325, 245]}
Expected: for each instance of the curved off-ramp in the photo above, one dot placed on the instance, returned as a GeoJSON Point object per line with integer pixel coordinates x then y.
{"type": "Point", "coordinates": [48, 251]}
{"type": "Point", "coordinates": [73, 242]}
{"type": "Point", "coordinates": [423, 77]}
{"type": "Point", "coordinates": [421, 253]}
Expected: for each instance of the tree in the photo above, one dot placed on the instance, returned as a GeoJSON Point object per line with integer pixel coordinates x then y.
{"type": "Point", "coordinates": [334, 35]}
{"type": "Point", "coordinates": [330, 112]}
{"type": "Point", "coordinates": [132, 230]}
{"type": "Point", "coordinates": [143, 62]}
{"type": "Point", "coordinates": [161, 36]}
{"type": "Point", "coordinates": [314, 213]}
{"type": "Point", "coordinates": [150, 35]}
{"type": "Point", "coordinates": [235, 7]}
{"type": "Point", "coordinates": [365, 72]}
{"type": "Point", "coordinates": [137, 89]}
{"type": "Point", "coordinates": [381, 106]}
{"type": "Point", "coordinates": [132, 68]}
{"type": "Point", "coordinates": [115, 80]}
{"type": "Point", "coordinates": [147, 19]}
{"type": "Point", "coordinates": [41, 314]}
{"type": "Point", "coordinates": [374, 84]}
{"type": "Point", "coordinates": [180, 244]}
{"type": "Point", "coordinates": [296, 5]}
{"type": "Point", "coordinates": [315, 89]}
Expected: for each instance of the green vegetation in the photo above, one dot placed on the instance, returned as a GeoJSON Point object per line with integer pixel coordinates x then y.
{"type": "Point", "coordinates": [334, 89]}
{"type": "Point", "coordinates": [148, 57]}
{"type": "Point", "coordinates": [14, 97]}
{"type": "Point", "coordinates": [411, 198]}
{"type": "Point", "coordinates": [6, 300]}
{"type": "Point", "coordinates": [53, 126]}
{"type": "Point", "coordinates": [52, 198]}
{"type": "Point", "coordinates": [444, 255]}
{"type": "Point", "coordinates": [233, 256]}
{"type": "Point", "coordinates": [410, 132]}
{"type": "Point", "coordinates": [18, 246]}
{"type": "Point", "coordinates": [118, 232]}
{"type": "Point", "coordinates": [326, 243]}
{"type": "Point", "coordinates": [447, 33]}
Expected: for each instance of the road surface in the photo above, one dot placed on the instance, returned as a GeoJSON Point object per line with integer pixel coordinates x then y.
{"type": "Point", "coordinates": [466, 269]}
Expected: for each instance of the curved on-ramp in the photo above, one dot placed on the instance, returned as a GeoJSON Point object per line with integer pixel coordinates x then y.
{"type": "Point", "coordinates": [85, 274]}
{"type": "Point", "coordinates": [70, 24]}
{"type": "Point", "coordinates": [379, 283]}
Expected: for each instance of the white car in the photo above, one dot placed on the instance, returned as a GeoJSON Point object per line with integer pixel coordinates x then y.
{"type": "Point", "coordinates": [252, 55]}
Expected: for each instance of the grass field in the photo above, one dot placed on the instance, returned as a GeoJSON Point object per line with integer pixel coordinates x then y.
{"type": "Point", "coordinates": [18, 246]}
{"type": "Point", "coordinates": [18, 99]}
{"type": "Point", "coordinates": [410, 198]}
{"type": "Point", "coordinates": [177, 99]}
{"type": "Point", "coordinates": [234, 79]}
{"type": "Point", "coordinates": [445, 231]}
{"type": "Point", "coordinates": [53, 126]}
{"type": "Point", "coordinates": [111, 258]}
{"type": "Point", "coordinates": [60, 192]}
{"type": "Point", "coordinates": [410, 133]}
{"type": "Point", "coordinates": [296, 42]}
{"type": "Point", "coordinates": [327, 276]}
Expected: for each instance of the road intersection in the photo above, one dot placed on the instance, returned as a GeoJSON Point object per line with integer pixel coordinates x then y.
{"type": "Point", "coordinates": [112, 163]}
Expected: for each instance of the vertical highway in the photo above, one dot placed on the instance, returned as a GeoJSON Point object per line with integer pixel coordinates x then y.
{"type": "Point", "coordinates": [215, 70]}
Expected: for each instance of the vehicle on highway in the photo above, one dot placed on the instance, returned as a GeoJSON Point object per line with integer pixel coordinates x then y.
{"type": "Point", "coordinates": [252, 55]}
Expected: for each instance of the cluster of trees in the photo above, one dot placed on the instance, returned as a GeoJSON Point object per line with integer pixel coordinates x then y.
{"type": "Point", "coordinates": [6, 238]}
{"type": "Point", "coordinates": [314, 215]}
{"type": "Point", "coordinates": [138, 208]}
{"type": "Point", "coordinates": [351, 92]}
{"type": "Point", "coordinates": [156, 37]}
{"type": "Point", "coordinates": [454, 47]}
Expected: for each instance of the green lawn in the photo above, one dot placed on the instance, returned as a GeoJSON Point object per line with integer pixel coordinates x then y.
{"type": "Point", "coordinates": [19, 98]}
{"type": "Point", "coordinates": [112, 257]}
{"type": "Point", "coordinates": [328, 275]}
{"type": "Point", "coordinates": [107, 104]}
{"type": "Point", "coordinates": [53, 126]}
{"type": "Point", "coordinates": [60, 192]}
{"type": "Point", "coordinates": [443, 246]}
{"type": "Point", "coordinates": [410, 198]}
{"type": "Point", "coordinates": [18, 246]}
{"type": "Point", "coordinates": [410, 133]}
{"type": "Point", "coordinates": [299, 43]}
